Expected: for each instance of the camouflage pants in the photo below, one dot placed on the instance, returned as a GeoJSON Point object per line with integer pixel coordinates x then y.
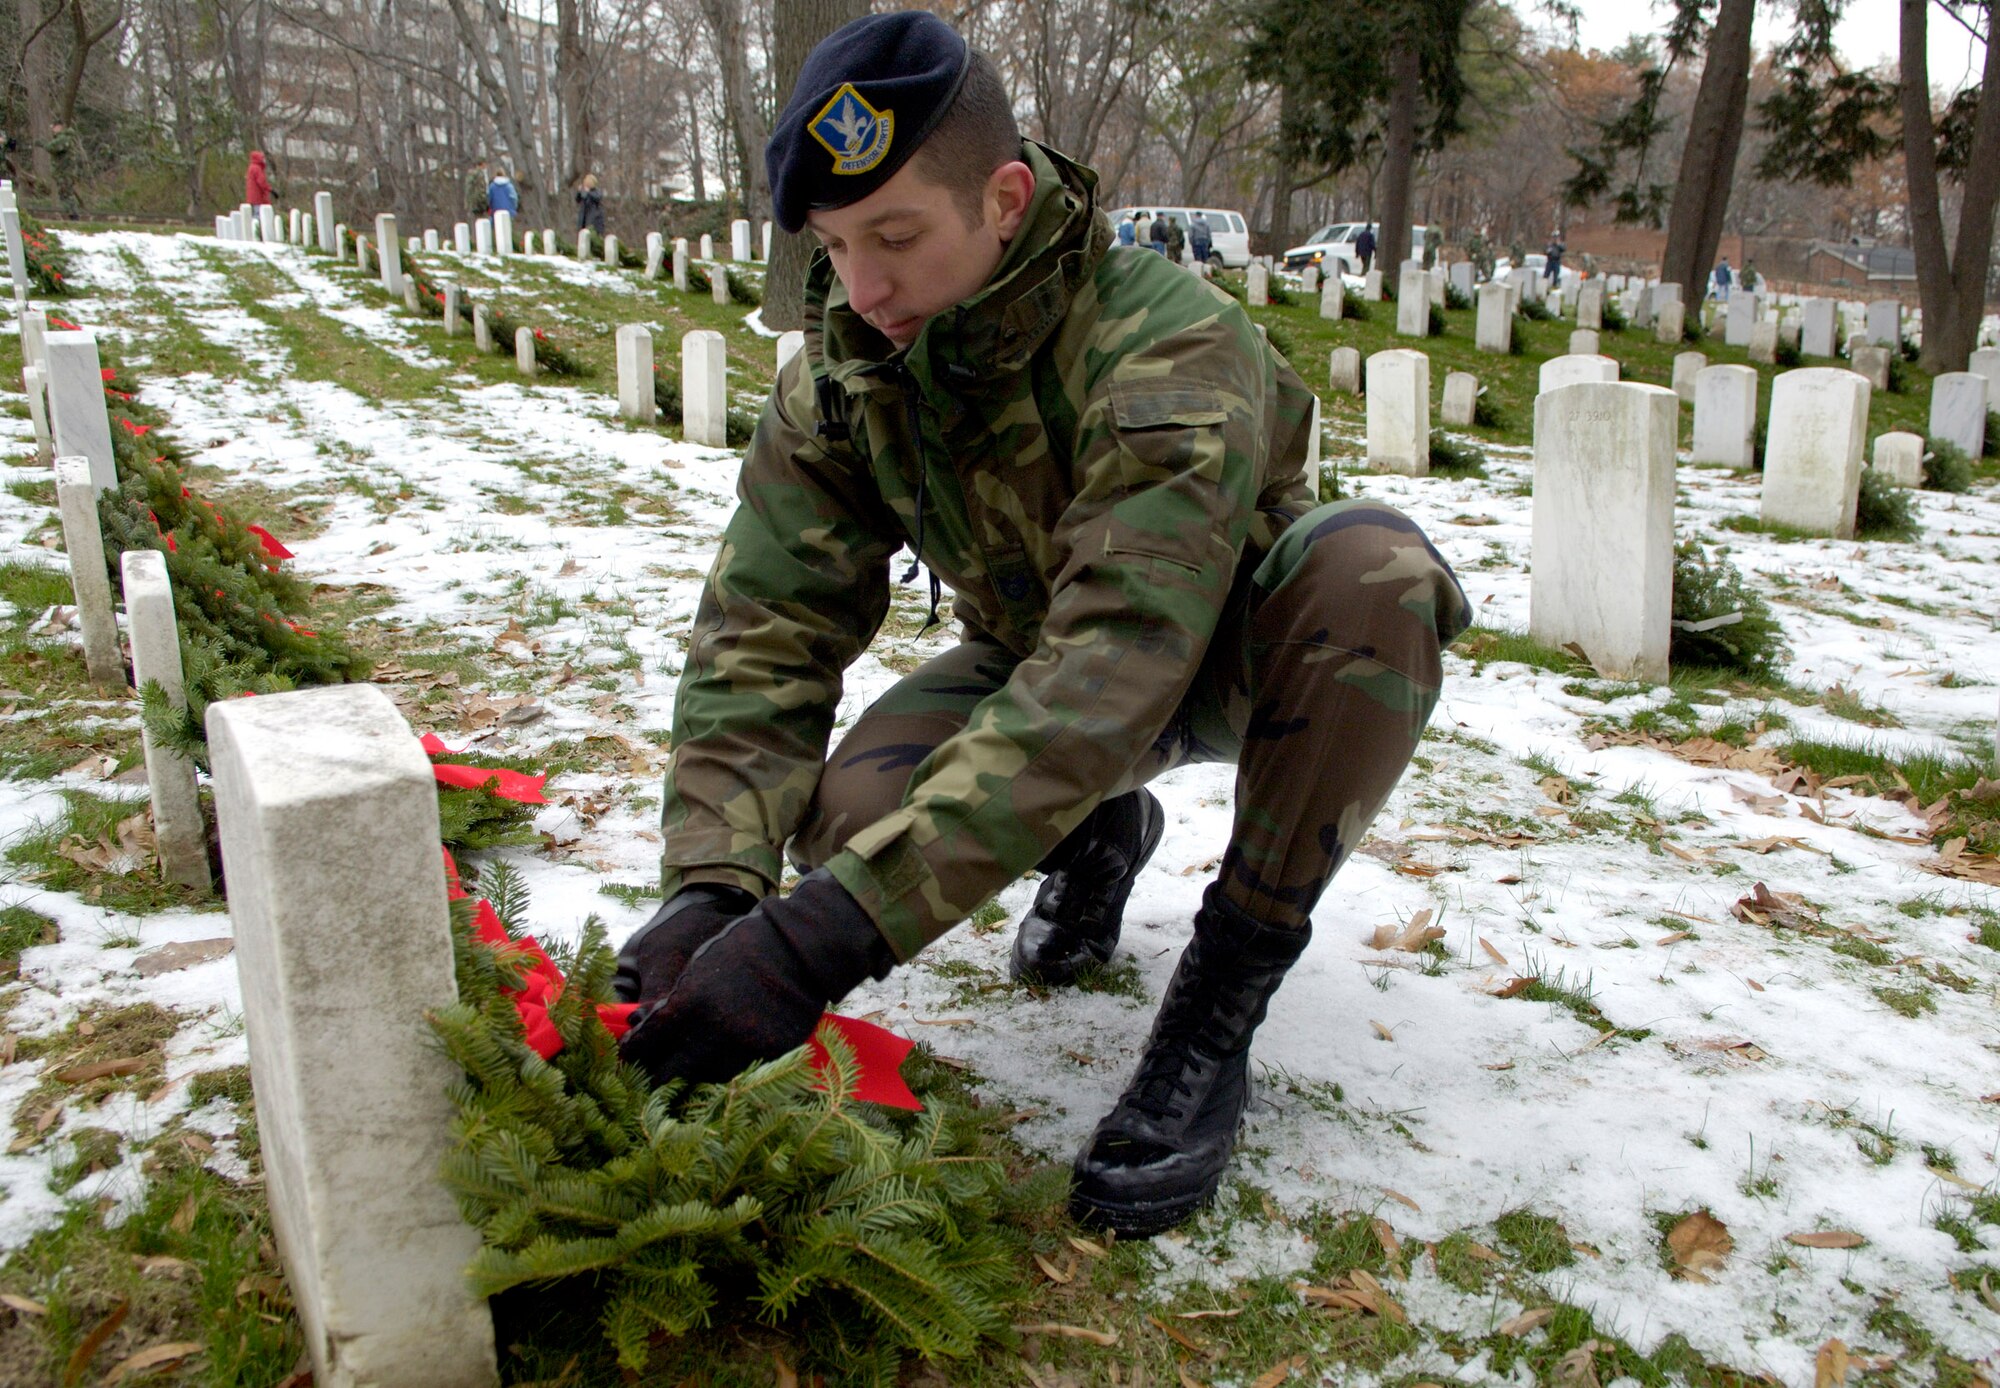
{"type": "Point", "coordinates": [1317, 684]}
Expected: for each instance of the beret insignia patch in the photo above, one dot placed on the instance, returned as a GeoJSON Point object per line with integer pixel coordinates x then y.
{"type": "Point", "coordinates": [854, 133]}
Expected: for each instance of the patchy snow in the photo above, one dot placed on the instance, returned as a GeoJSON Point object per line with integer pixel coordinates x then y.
{"type": "Point", "coordinates": [1762, 1050]}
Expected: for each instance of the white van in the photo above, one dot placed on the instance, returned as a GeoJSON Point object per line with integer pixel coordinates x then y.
{"type": "Point", "coordinates": [1333, 245]}
{"type": "Point", "coordinates": [1229, 234]}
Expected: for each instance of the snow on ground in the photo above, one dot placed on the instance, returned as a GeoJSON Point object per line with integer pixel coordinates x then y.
{"type": "Point", "coordinates": [1453, 1105]}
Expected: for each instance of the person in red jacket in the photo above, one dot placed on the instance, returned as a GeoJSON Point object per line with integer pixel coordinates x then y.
{"type": "Point", "coordinates": [256, 182]}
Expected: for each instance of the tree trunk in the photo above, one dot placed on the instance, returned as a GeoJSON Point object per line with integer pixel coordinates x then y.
{"type": "Point", "coordinates": [697, 173]}
{"type": "Point", "coordinates": [573, 91]}
{"type": "Point", "coordinates": [1951, 287]}
{"type": "Point", "coordinates": [725, 22]}
{"type": "Point", "coordinates": [796, 27]}
{"type": "Point", "coordinates": [1708, 161]}
{"type": "Point", "coordinates": [1399, 156]}
{"type": "Point", "coordinates": [1279, 228]}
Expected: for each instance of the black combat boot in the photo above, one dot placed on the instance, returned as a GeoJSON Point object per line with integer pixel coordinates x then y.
{"type": "Point", "coordinates": [1074, 922]}
{"type": "Point", "coordinates": [1159, 1155]}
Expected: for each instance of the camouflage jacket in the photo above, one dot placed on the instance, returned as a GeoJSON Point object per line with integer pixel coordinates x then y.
{"type": "Point", "coordinates": [1101, 442]}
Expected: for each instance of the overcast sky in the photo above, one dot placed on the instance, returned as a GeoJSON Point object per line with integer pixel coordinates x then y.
{"type": "Point", "coordinates": [1867, 34]}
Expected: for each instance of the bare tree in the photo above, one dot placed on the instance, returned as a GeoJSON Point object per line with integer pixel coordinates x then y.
{"type": "Point", "coordinates": [797, 26]}
{"type": "Point", "coordinates": [748, 122]}
{"type": "Point", "coordinates": [1950, 279]}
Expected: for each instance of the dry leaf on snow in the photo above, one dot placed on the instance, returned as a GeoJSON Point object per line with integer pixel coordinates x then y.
{"type": "Point", "coordinates": [1827, 1238]}
{"type": "Point", "coordinates": [1279, 1372]}
{"type": "Point", "coordinates": [1701, 1244]}
{"type": "Point", "coordinates": [1830, 1365]}
{"type": "Point", "coordinates": [1411, 937]}
{"type": "Point", "coordinates": [1527, 1322]}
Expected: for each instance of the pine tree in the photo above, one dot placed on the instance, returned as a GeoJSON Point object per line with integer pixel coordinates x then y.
{"type": "Point", "coordinates": [865, 1235]}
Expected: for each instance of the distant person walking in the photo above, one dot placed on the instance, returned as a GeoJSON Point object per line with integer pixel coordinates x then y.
{"type": "Point", "coordinates": [1552, 267]}
{"type": "Point", "coordinates": [1143, 228]}
{"type": "Point", "coordinates": [1364, 246]}
{"type": "Point", "coordinates": [1158, 235]}
{"type": "Point", "coordinates": [590, 207]}
{"type": "Point", "coordinates": [502, 195]}
{"type": "Point", "coordinates": [1201, 236]}
{"type": "Point", "coordinates": [257, 181]}
{"type": "Point", "coordinates": [475, 191]}
{"type": "Point", "coordinates": [1128, 231]}
{"type": "Point", "coordinates": [1176, 240]}
{"type": "Point", "coordinates": [1751, 279]}
{"type": "Point", "coordinates": [1724, 277]}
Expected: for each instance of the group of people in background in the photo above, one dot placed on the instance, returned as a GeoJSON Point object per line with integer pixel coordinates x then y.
{"type": "Point", "coordinates": [488, 191]}
{"type": "Point", "coordinates": [1724, 279]}
{"type": "Point", "coordinates": [1165, 234]}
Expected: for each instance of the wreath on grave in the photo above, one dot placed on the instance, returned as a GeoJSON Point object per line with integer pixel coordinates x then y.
{"type": "Point", "coordinates": [548, 355]}
{"type": "Point", "coordinates": [740, 424]}
{"type": "Point", "coordinates": [246, 622]}
{"type": "Point", "coordinates": [861, 1233]}
{"type": "Point", "coordinates": [740, 290]}
{"type": "Point", "coordinates": [48, 267]}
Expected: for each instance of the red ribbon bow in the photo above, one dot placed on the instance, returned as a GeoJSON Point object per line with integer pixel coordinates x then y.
{"type": "Point", "coordinates": [878, 1052]}
{"type": "Point", "coordinates": [511, 785]}
{"type": "Point", "coordinates": [269, 542]}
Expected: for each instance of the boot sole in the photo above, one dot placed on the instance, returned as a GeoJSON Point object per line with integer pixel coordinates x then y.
{"type": "Point", "coordinates": [1064, 975]}
{"type": "Point", "coordinates": [1141, 1221]}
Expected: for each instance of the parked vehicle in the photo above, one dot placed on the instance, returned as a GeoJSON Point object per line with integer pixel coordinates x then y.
{"type": "Point", "coordinates": [1333, 245]}
{"type": "Point", "coordinates": [1229, 234]}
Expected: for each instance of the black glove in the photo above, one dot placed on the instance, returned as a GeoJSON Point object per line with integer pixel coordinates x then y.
{"type": "Point", "coordinates": [651, 961]}
{"type": "Point", "coordinates": [757, 989]}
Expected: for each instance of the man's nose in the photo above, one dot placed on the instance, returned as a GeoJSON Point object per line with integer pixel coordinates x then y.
{"type": "Point", "coordinates": [868, 287]}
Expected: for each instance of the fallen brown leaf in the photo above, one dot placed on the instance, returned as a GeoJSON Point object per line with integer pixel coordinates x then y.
{"type": "Point", "coordinates": [1106, 1338]}
{"type": "Point", "coordinates": [86, 1349]}
{"type": "Point", "coordinates": [1830, 1365]}
{"type": "Point", "coordinates": [1675, 938]}
{"type": "Point", "coordinates": [102, 1069]}
{"type": "Point", "coordinates": [1495, 955]}
{"type": "Point", "coordinates": [1700, 1244]}
{"type": "Point", "coordinates": [1827, 1238]}
{"type": "Point", "coordinates": [1402, 1199]}
{"type": "Point", "coordinates": [1514, 987]}
{"type": "Point", "coordinates": [146, 1360]}
{"type": "Point", "coordinates": [1410, 938]}
{"type": "Point", "coordinates": [1382, 1031]}
{"type": "Point", "coordinates": [23, 1304]}
{"type": "Point", "coordinates": [1527, 1322]}
{"type": "Point", "coordinates": [1279, 1372]}
{"type": "Point", "coordinates": [1087, 1247]}
{"type": "Point", "coordinates": [1178, 1336]}
{"type": "Point", "coordinates": [182, 954]}
{"type": "Point", "coordinates": [1052, 1272]}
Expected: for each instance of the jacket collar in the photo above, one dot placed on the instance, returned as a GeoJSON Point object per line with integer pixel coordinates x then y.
{"type": "Point", "coordinates": [998, 329]}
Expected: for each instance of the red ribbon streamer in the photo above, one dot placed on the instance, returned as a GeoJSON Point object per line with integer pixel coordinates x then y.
{"type": "Point", "coordinates": [878, 1052]}
{"type": "Point", "coordinates": [135, 430]}
{"type": "Point", "coordinates": [270, 544]}
{"type": "Point", "coordinates": [510, 785]}
{"type": "Point", "coordinates": [64, 324]}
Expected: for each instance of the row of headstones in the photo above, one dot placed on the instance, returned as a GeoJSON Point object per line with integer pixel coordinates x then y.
{"type": "Point", "coordinates": [17, 251]}
{"type": "Point", "coordinates": [492, 235]}
{"type": "Point", "coordinates": [1725, 415]}
{"type": "Point", "coordinates": [65, 386]}
{"type": "Point", "coordinates": [1813, 331]}
{"type": "Point", "coordinates": [1601, 567]}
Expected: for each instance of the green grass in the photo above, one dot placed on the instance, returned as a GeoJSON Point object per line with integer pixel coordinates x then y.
{"type": "Point", "coordinates": [1928, 776]}
{"type": "Point", "coordinates": [20, 928]}
{"type": "Point", "coordinates": [86, 821]}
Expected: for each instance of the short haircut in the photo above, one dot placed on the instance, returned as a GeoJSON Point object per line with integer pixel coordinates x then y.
{"type": "Point", "coordinates": [976, 136]}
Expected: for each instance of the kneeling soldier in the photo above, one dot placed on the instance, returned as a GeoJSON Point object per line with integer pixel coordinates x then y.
{"type": "Point", "coordinates": [1106, 463]}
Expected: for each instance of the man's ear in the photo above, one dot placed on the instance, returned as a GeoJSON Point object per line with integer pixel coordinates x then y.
{"type": "Point", "coordinates": [1009, 190]}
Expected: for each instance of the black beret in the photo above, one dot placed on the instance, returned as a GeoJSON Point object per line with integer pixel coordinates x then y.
{"type": "Point", "coordinates": [868, 95]}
